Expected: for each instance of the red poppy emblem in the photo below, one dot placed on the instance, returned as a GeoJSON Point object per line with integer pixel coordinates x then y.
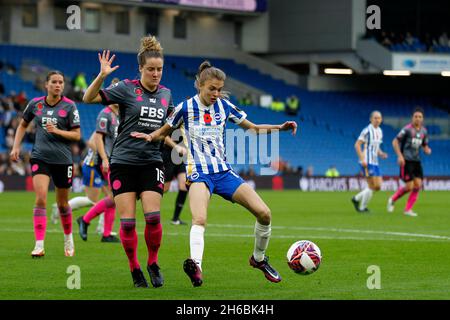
{"type": "Point", "coordinates": [138, 91]}
{"type": "Point", "coordinates": [207, 118]}
{"type": "Point", "coordinates": [39, 106]}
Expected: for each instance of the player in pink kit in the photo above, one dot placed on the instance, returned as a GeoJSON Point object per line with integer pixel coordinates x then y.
{"type": "Point", "coordinates": [407, 146]}
{"type": "Point", "coordinates": [57, 126]}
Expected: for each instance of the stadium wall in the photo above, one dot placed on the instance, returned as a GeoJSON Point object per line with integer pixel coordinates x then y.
{"type": "Point", "coordinates": [207, 35]}
{"type": "Point", "coordinates": [376, 83]}
{"type": "Point", "coordinates": [311, 26]}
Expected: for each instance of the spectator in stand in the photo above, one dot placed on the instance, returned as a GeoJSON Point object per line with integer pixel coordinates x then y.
{"type": "Point", "coordinates": [2, 89]}
{"type": "Point", "coordinates": [39, 83]}
{"type": "Point", "coordinates": [443, 40]}
{"type": "Point", "coordinates": [9, 113]}
{"type": "Point", "coordinates": [384, 39]}
{"type": "Point", "coordinates": [20, 101]}
{"type": "Point", "coordinates": [310, 171]}
{"type": "Point", "coordinates": [277, 105]}
{"type": "Point", "coordinates": [332, 172]}
{"type": "Point", "coordinates": [9, 139]}
{"type": "Point", "coordinates": [80, 85]}
{"type": "Point", "coordinates": [428, 41]}
{"type": "Point", "coordinates": [3, 163]}
{"type": "Point", "coordinates": [292, 105]}
{"type": "Point", "coordinates": [409, 39]}
{"type": "Point", "coordinates": [246, 100]}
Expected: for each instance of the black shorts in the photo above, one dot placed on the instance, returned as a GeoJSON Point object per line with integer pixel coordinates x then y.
{"type": "Point", "coordinates": [171, 170]}
{"type": "Point", "coordinates": [61, 174]}
{"type": "Point", "coordinates": [131, 178]}
{"type": "Point", "coordinates": [411, 170]}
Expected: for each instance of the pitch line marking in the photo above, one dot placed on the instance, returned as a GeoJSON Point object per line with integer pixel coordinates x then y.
{"type": "Point", "coordinates": [391, 233]}
{"type": "Point", "coordinates": [236, 235]}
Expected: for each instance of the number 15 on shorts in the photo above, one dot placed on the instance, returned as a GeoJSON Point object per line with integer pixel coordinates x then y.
{"type": "Point", "coordinates": [160, 175]}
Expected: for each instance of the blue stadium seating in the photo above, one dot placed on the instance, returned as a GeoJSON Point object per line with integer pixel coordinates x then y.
{"type": "Point", "coordinates": [331, 121]}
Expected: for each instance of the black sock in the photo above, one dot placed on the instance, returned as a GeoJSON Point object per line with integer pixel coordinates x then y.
{"type": "Point", "coordinates": [179, 203]}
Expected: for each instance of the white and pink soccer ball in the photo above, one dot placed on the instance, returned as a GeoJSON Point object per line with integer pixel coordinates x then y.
{"type": "Point", "coordinates": [304, 257]}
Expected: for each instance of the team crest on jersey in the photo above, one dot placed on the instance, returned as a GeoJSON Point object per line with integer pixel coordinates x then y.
{"type": "Point", "coordinates": [217, 117]}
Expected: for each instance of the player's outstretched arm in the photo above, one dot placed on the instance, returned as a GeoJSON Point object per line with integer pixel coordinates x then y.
{"type": "Point", "coordinates": [92, 92]}
{"type": "Point", "coordinates": [268, 128]}
{"type": "Point", "coordinates": [20, 133]}
{"type": "Point", "coordinates": [156, 135]}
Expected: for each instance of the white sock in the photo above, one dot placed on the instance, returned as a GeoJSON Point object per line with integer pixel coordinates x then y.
{"type": "Point", "coordinates": [68, 237]}
{"type": "Point", "coordinates": [262, 237]}
{"type": "Point", "coordinates": [197, 243]}
{"type": "Point", "coordinates": [368, 193]}
{"type": "Point", "coordinates": [39, 244]}
{"type": "Point", "coordinates": [359, 196]}
{"type": "Point", "coordinates": [101, 221]}
{"type": "Point", "coordinates": [80, 202]}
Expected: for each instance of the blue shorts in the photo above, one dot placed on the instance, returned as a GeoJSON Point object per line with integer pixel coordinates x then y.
{"type": "Point", "coordinates": [372, 170]}
{"type": "Point", "coordinates": [92, 177]}
{"type": "Point", "coordinates": [223, 183]}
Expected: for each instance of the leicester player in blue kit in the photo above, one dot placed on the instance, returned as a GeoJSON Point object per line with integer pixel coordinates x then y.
{"type": "Point", "coordinates": [202, 120]}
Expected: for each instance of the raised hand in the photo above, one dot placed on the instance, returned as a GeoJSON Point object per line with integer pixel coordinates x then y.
{"type": "Point", "coordinates": [105, 63]}
{"type": "Point", "coordinates": [289, 125]}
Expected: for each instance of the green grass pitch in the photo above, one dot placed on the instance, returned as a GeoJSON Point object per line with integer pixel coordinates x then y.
{"type": "Point", "coordinates": [412, 253]}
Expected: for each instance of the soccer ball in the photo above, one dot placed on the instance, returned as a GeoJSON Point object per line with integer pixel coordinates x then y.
{"type": "Point", "coordinates": [304, 257]}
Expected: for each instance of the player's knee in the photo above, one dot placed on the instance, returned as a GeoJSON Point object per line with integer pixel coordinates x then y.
{"type": "Point", "coordinates": [264, 215]}
{"type": "Point", "coordinates": [41, 199]}
{"type": "Point", "coordinates": [200, 221]}
{"type": "Point", "coordinates": [63, 208]}
{"type": "Point", "coordinates": [408, 188]}
{"type": "Point", "coordinates": [41, 202]}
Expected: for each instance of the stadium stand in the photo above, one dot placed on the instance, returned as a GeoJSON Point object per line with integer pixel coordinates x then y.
{"type": "Point", "coordinates": [325, 127]}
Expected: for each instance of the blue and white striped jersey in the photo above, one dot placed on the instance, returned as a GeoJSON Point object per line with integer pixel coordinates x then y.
{"type": "Point", "coordinates": [203, 130]}
{"type": "Point", "coordinates": [373, 138]}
